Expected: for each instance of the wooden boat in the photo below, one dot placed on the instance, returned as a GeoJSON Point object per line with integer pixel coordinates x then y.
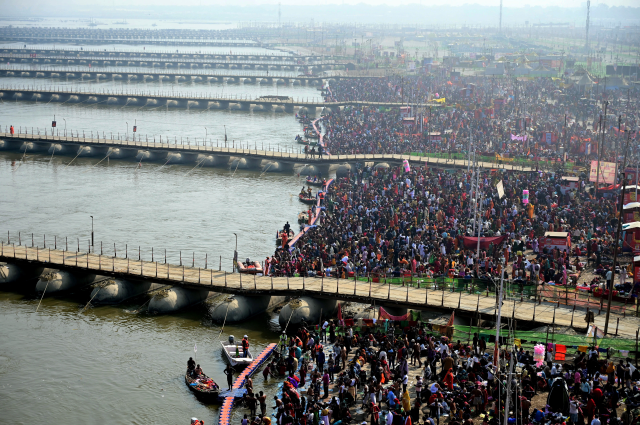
{"type": "Point", "coordinates": [307, 143]}
{"type": "Point", "coordinates": [249, 267]}
{"type": "Point", "coordinates": [317, 183]}
{"type": "Point", "coordinates": [305, 200]}
{"type": "Point", "coordinates": [303, 217]}
{"type": "Point", "coordinates": [203, 387]}
{"type": "Point", "coordinates": [311, 134]}
{"type": "Point", "coordinates": [233, 354]}
{"type": "Point", "coordinates": [279, 237]}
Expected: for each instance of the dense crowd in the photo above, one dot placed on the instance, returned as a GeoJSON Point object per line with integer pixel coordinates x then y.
{"type": "Point", "coordinates": [389, 222]}
{"type": "Point", "coordinates": [401, 373]}
{"type": "Point", "coordinates": [482, 114]}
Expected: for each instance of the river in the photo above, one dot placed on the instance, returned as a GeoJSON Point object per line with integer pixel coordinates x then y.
{"type": "Point", "coordinates": [107, 364]}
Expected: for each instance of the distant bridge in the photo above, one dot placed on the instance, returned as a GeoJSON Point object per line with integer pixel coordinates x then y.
{"type": "Point", "coordinates": [151, 99]}
{"type": "Point", "coordinates": [199, 76]}
{"type": "Point", "coordinates": [207, 154]}
{"type": "Point", "coordinates": [149, 54]}
{"type": "Point", "coordinates": [275, 63]}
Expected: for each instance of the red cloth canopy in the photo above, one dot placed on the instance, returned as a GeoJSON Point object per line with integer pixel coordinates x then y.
{"type": "Point", "coordinates": [472, 242]}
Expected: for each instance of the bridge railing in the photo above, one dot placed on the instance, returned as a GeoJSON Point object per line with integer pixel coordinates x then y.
{"type": "Point", "coordinates": [150, 52]}
{"type": "Point", "coordinates": [204, 144]}
{"type": "Point", "coordinates": [292, 62]}
{"type": "Point", "coordinates": [440, 291]}
{"type": "Point", "coordinates": [169, 95]}
{"type": "Point", "coordinates": [517, 290]}
{"type": "Point", "coordinates": [173, 72]}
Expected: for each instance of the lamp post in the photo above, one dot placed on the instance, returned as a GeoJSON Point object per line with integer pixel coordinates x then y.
{"type": "Point", "coordinates": [235, 254]}
{"type": "Point", "coordinates": [92, 231]}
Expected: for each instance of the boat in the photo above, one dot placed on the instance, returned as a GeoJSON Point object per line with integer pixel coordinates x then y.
{"type": "Point", "coordinates": [305, 200]}
{"type": "Point", "coordinates": [303, 217]}
{"type": "Point", "coordinates": [233, 354]}
{"type": "Point", "coordinates": [204, 388]}
{"type": "Point", "coordinates": [311, 134]}
{"type": "Point", "coordinates": [317, 183]}
{"type": "Point", "coordinates": [279, 237]}
{"type": "Point", "coordinates": [307, 142]}
{"type": "Point", "coordinates": [249, 267]}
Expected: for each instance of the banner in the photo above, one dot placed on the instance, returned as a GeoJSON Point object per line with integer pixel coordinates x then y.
{"type": "Point", "coordinates": [442, 100]}
{"type": "Point", "coordinates": [500, 189]}
{"type": "Point", "coordinates": [384, 315]}
{"type": "Point", "coordinates": [472, 242]}
{"type": "Point", "coordinates": [607, 172]}
{"type": "Point", "coordinates": [520, 138]}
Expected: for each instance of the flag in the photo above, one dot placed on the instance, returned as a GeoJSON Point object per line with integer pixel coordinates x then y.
{"type": "Point", "coordinates": [340, 321]}
{"type": "Point", "coordinates": [195, 348]}
{"type": "Point", "coordinates": [450, 322]}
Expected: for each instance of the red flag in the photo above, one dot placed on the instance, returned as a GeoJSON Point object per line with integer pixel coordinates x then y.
{"type": "Point", "coordinates": [450, 322]}
{"type": "Point", "coordinates": [340, 314]}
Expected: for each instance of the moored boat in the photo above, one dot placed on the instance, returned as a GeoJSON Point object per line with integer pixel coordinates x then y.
{"type": "Point", "coordinates": [306, 200]}
{"type": "Point", "coordinates": [233, 354]}
{"type": "Point", "coordinates": [303, 217]}
{"type": "Point", "coordinates": [281, 234]}
{"type": "Point", "coordinates": [317, 182]}
{"type": "Point", "coordinates": [249, 267]}
{"type": "Point", "coordinates": [204, 388]}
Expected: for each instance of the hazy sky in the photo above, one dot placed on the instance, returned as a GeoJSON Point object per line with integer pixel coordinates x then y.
{"type": "Point", "coordinates": [130, 4]}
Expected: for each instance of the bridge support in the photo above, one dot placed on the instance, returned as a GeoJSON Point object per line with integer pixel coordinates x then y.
{"type": "Point", "coordinates": [176, 298]}
{"type": "Point", "coordinates": [246, 163]}
{"type": "Point", "coordinates": [62, 280]}
{"type": "Point", "coordinates": [343, 170]}
{"type": "Point", "coordinates": [288, 108]}
{"type": "Point", "coordinates": [237, 308]}
{"type": "Point", "coordinates": [12, 272]}
{"type": "Point", "coordinates": [307, 309]}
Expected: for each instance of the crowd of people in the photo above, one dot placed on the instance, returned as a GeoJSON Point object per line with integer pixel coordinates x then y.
{"type": "Point", "coordinates": [405, 373]}
{"type": "Point", "coordinates": [481, 113]}
{"type": "Point", "coordinates": [417, 221]}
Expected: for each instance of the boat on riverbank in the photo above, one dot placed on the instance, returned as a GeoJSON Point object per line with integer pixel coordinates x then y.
{"type": "Point", "coordinates": [317, 182]}
{"type": "Point", "coordinates": [232, 352]}
{"type": "Point", "coordinates": [281, 233]}
{"type": "Point", "coordinates": [204, 388]}
{"type": "Point", "coordinates": [306, 200]}
{"type": "Point", "coordinates": [249, 267]}
{"type": "Point", "coordinates": [307, 142]}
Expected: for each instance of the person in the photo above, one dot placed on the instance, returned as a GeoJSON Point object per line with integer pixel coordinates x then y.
{"type": "Point", "coordinates": [245, 346]}
{"type": "Point", "coordinates": [11, 130]}
{"type": "Point", "coordinates": [198, 371]}
{"type": "Point", "coordinates": [262, 399]}
{"type": "Point", "coordinates": [191, 364]}
{"type": "Point", "coordinates": [266, 371]}
{"type": "Point", "coordinates": [229, 372]}
{"type": "Point", "coordinates": [195, 421]}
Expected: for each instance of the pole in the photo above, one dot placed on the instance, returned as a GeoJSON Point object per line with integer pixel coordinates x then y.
{"type": "Point", "coordinates": [92, 231]}
{"type": "Point", "coordinates": [615, 256]}
{"type": "Point", "coordinates": [499, 318]}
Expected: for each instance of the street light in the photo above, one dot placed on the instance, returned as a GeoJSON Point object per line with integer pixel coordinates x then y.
{"type": "Point", "coordinates": [235, 254]}
{"type": "Point", "coordinates": [91, 230]}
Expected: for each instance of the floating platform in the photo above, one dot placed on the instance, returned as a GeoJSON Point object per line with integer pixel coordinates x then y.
{"type": "Point", "coordinates": [237, 390]}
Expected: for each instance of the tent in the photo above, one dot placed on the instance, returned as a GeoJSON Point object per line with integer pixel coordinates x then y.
{"type": "Point", "coordinates": [558, 399]}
